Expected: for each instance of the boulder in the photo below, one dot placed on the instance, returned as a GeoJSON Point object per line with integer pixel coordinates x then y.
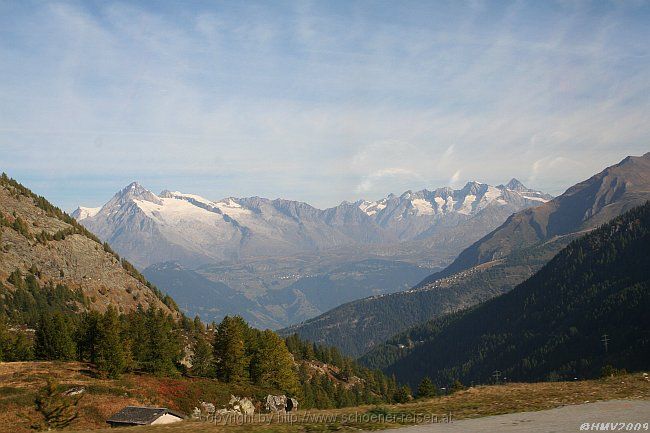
{"type": "Point", "coordinates": [276, 403]}
{"type": "Point", "coordinates": [242, 405]}
{"type": "Point", "coordinates": [75, 391]}
{"type": "Point", "coordinates": [207, 408]}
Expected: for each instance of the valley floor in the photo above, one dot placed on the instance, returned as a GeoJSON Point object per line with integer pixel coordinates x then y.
{"type": "Point", "coordinates": [19, 382]}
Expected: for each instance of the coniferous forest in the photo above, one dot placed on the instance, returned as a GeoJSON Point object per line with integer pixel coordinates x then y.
{"type": "Point", "coordinates": [585, 311]}
{"type": "Point", "coordinates": [44, 322]}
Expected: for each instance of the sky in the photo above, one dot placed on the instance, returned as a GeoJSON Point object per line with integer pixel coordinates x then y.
{"type": "Point", "coordinates": [318, 101]}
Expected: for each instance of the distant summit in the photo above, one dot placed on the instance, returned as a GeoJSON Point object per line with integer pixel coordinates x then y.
{"type": "Point", "coordinates": [582, 207]}
{"type": "Point", "coordinates": [515, 185]}
{"type": "Point", "coordinates": [85, 212]}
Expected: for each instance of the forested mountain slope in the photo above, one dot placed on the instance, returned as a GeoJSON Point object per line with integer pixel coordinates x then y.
{"type": "Point", "coordinates": [550, 326]}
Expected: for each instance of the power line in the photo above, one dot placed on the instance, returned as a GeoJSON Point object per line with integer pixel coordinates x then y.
{"type": "Point", "coordinates": [605, 340]}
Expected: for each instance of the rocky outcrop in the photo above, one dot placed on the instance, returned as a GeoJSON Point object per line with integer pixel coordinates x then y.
{"type": "Point", "coordinates": [281, 403]}
{"type": "Point", "coordinates": [276, 403]}
{"type": "Point", "coordinates": [34, 234]}
{"type": "Point", "coordinates": [242, 405]}
{"type": "Point", "coordinates": [237, 406]}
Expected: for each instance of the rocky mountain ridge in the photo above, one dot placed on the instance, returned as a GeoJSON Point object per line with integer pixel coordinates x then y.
{"type": "Point", "coordinates": [40, 239]}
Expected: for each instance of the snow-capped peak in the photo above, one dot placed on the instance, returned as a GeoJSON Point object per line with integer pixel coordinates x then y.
{"type": "Point", "coordinates": [371, 208]}
{"type": "Point", "coordinates": [135, 191]}
{"type": "Point", "coordinates": [193, 198]}
{"type": "Point", "coordinates": [515, 185]}
{"type": "Point", "coordinates": [85, 212]}
{"type": "Point", "coordinates": [472, 198]}
{"type": "Point", "coordinates": [190, 227]}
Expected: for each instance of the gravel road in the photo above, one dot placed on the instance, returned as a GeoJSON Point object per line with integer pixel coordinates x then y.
{"type": "Point", "coordinates": [573, 418]}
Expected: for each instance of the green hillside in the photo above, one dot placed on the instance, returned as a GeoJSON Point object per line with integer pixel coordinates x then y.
{"type": "Point", "coordinates": [552, 325]}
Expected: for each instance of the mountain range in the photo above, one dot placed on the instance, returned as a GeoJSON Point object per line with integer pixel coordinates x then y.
{"type": "Point", "coordinates": [278, 262]}
{"type": "Point", "coordinates": [189, 229]}
{"type": "Point", "coordinates": [489, 267]}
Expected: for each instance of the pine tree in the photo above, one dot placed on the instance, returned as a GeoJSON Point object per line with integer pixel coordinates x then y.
{"type": "Point", "coordinates": [273, 365]}
{"type": "Point", "coordinates": [202, 359]}
{"type": "Point", "coordinates": [163, 347]}
{"type": "Point", "coordinates": [20, 348]}
{"type": "Point", "coordinates": [86, 336]}
{"type": "Point", "coordinates": [54, 338]}
{"type": "Point", "coordinates": [110, 351]}
{"type": "Point", "coordinates": [403, 394]}
{"type": "Point", "coordinates": [307, 390]}
{"type": "Point", "coordinates": [136, 324]}
{"type": "Point", "coordinates": [198, 325]}
{"type": "Point", "coordinates": [4, 340]}
{"type": "Point", "coordinates": [16, 278]}
{"type": "Point", "coordinates": [309, 353]}
{"type": "Point", "coordinates": [426, 388]}
{"type": "Point", "coordinates": [322, 399]}
{"type": "Point", "coordinates": [457, 386]}
{"type": "Point", "coordinates": [231, 363]}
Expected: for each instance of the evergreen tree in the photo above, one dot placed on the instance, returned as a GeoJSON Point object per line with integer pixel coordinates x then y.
{"type": "Point", "coordinates": [231, 363]}
{"type": "Point", "coordinates": [163, 347]}
{"type": "Point", "coordinates": [457, 386]}
{"type": "Point", "coordinates": [308, 352]}
{"type": "Point", "coordinates": [54, 338]}
{"type": "Point", "coordinates": [202, 359]}
{"type": "Point", "coordinates": [110, 356]}
{"type": "Point", "coordinates": [307, 390]}
{"type": "Point", "coordinates": [198, 325]}
{"type": "Point", "coordinates": [322, 392]}
{"type": "Point", "coordinates": [403, 394]}
{"type": "Point", "coordinates": [136, 324]}
{"type": "Point", "coordinates": [426, 388]}
{"type": "Point", "coordinates": [4, 339]}
{"type": "Point", "coordinates": [86, 336]}
{"type": "Point", "coordinates": [19, 347]}
{"type": "Point", "coordinates": [273, 365]}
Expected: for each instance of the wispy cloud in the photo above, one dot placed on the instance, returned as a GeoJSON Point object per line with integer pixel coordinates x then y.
{"type": "Point", "coordinates": [317, 101]}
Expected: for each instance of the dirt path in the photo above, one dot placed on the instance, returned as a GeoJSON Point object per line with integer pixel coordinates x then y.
{"type": "Point", "coordinates": [573, 418]}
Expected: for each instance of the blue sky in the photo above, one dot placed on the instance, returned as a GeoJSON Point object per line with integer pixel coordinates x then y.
{"type": "Point", "coordinates": [318, 101]}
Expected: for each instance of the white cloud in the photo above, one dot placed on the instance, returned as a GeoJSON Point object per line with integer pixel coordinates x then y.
{"type": "Point", "coordinates": [321, 105]}
{"type": "Point", "coordinates": [453, 181]}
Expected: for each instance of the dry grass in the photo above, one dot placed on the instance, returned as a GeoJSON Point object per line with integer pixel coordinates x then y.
{"type": "Point", "coordinates": [19, 382]}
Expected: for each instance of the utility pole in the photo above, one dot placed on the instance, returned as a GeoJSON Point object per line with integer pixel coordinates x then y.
{"type": "Point", "coordinates": [496, 375]}
{"type": "Point", "coordinates": [605, 340]}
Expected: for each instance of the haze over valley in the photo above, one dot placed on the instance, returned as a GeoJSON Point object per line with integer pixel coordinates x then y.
{"type": "Point", "coordinates": [279, 262]}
